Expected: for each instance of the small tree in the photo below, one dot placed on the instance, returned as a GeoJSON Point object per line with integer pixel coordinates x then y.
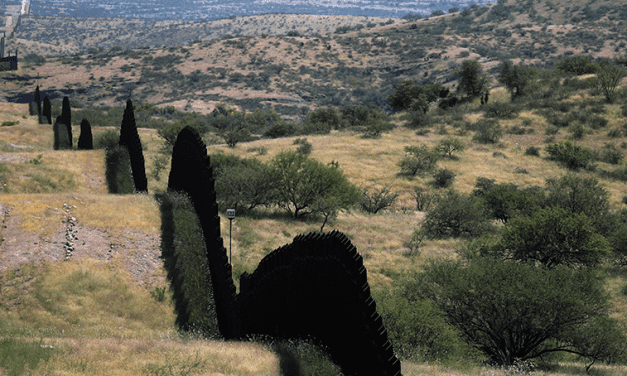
{"type": "Point", "coordinates": [242, 183]}
{"type": "Point", "coordinates": [515, 78]}
{"type": "Point", "coordinates": [456, 215]}
{"type": "Point", "coordinates": [552, 236]}
{"type": "Point", "coordinates": [377, 200]}
{"type": "Point", "coordinates": [418, 160]}
{"type": "Point", "coordinates": [506, 201]}
{"type": "Point", "coordinates": [306, 186]}
{"type": "Point", "coordinates": [609, 75]}
{"type": "Point", "coordinates": [472, 82]}
{"type": "Point", "coordinates": [513, 312]}
{"type": "Point", "coordinates": [580, 195]}
{"type": "Point", "coordinates": [326, 117]}
{"type": "Point", "coordinates": [233, 137]}
{"type": "Point", "coordinates": [572, 156]}
{"type": "Point", "coordinates": [410, 95]}
{"type": "Point", "coordinates": [578, 64]}
{"type": "Point", "coordinates": [449, 146]}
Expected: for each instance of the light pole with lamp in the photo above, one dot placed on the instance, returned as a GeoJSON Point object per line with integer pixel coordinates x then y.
{"type": "Point", "coordinates": [230, 214]}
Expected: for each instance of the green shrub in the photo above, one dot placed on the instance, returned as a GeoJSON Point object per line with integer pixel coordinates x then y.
{"type": "Point", "coordinates": [418, 120]}
{"type": "Point", "coordinates": [242, 184]}
{"type": "Point", "coordinates": [619, 173]}
{"type": "Point", "coordinates": [501, 110]}
{"type": "Point", "coordinates": [572, 156]}
{"type": "Point", "coordinates": [492, 301]}
{"type": "Point", "coordinates": [233, 137]}
{"type": "Point", "coordinates": [610, 154]}
{"type": "Point", "coordinates": [108, 139]}
{"type": "Point", "coordinates": [577, 131]}
{"type": "Point", "coordinates": [305, 186]}
{"type": "Point", "coordinates": [304, 147]}
{"type": "Point", "coordinates": [417, 330]}
{"type": "Point", "coordinates": [506, 201]}
{"type": "Point", "coordinates": [533, 151]}
{"type": "Point", "coordinates": [456, 215]}
{"type": "Point", "coordinates": [487, 131]}
{"type": "Point", "coordinates": [554, 236]}
{"type": "Point", "coordinates": [443, 178]}
{"type": "Point", "coordinates": [517, 79]}
{"type": "Point", "coordinates": [279, 130]}
{"type": "Point", "coordinates": [614, 133]}
{"type": "Point", "coordinates": [328, 118]}
{"type": "Point", "coordinates": [609, 75]}
{"type": "Point", "coordinates": [423, 198]}
{"type": "Point", "coordinates": [449, 146]}
{"type": "Point", "coordinates": [578, 64]}
{"type": "Point", "coordinates": [418, 160]}
{"type": "Point", "coordinates": [376, 201]}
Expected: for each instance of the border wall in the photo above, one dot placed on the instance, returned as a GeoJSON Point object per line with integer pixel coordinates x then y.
{"type": "Point", "coordinates": [314, 288]}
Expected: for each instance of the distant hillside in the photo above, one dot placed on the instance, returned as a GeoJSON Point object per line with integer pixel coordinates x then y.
{"type": "Point", "coordinates": [53, 35]}
{"type": "Point", "coordinates": [300, 72]}
{"type": "Point", "coordinates": [216, 9]}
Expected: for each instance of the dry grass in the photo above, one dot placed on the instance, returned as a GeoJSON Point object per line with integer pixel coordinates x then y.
{"type": "Point", "coordinates": [42, 214]}
{"type": "Point", "coordinates": [81, 298]}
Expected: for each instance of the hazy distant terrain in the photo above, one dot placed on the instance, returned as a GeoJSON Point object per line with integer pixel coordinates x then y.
{"type": "Point", "coordinates": [214, 9]}
{"type": "Point", "coordinates": [294, 63]}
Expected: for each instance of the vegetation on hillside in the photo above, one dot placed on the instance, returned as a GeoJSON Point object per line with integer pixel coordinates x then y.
{"type": "Point", "coordinates": [455, 189]}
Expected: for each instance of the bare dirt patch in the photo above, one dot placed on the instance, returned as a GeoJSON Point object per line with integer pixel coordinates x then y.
{"type": "Point", "coordinates": [140, 252]}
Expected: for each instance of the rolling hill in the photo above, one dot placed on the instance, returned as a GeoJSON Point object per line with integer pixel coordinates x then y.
{"type": "Point", "coordinates": [107, 309]}
{"type": "Point", "coordinates": [344, 64]}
